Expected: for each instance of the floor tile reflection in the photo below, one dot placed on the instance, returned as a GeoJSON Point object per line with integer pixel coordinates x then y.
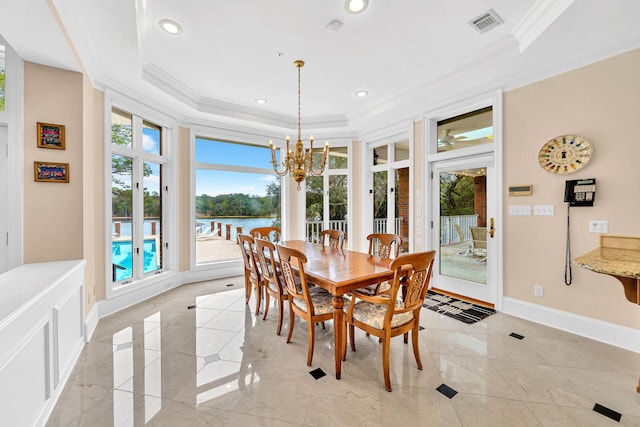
{"type": "Point", "coordinates": [217, 364]}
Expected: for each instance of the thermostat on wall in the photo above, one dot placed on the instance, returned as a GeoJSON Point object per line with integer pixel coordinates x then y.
{"type": "Point", "coordinates": [520, 190]}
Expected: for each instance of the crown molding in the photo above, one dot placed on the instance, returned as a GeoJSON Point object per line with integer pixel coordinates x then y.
{"type": "Point", "coordinates": [539, 18]}
{"type": "Point", "coordinates": [160, 79]}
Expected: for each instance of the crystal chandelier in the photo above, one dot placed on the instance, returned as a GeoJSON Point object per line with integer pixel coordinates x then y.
{"type": "Point", "coordinates": [299, 163]}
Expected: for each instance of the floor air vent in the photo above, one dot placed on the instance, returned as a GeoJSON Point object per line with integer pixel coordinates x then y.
{"type": "Point", "coordinates": [486, 21]}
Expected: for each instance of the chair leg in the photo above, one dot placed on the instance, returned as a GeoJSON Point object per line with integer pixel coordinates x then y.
{"type": "Point", "coordinates": [247, 288]}
{"type": "Point", "coordinates": [280, 315]}
{"type": "Point", "coordinates": [352, 336]}
{"type": "Point", "coordinates": [416, 347]}
{"type": "Point", "coordinates": [291, 322]}
{"type": "Point", "coordinates": [312, 340]}
{"type": "Point", "coordinates": [406, 337]}
{"type": "Point", "coordinates": [386, 344]}
{"type": "Point", "coordinates": [344, 340]}
{"type": "Point", "coordinates": [267, 302]}
{"type": "Point", "coordinates": [258, 299]}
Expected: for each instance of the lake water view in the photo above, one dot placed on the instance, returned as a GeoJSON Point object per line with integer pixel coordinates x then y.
{"type": "Point", "coordinates": [203, 225]}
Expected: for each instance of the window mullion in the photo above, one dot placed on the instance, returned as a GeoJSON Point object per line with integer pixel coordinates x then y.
{"type": "Point", "coordinates": [138, 201]}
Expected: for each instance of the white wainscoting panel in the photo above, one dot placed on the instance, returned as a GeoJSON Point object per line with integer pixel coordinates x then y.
{"type": "Point", "coordinates": [41, 337]}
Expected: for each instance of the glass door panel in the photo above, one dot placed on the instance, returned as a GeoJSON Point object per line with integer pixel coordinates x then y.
{"type": "Point", "coordinates": [380, 195]}
{"type": "Point", "coordinates": [338, 204]}
{"type": "Point", "coordinates": [314, 208]}
{"type": "Point", "coordinates": [464, 208]}
{"type": "Point", "coordinates": [461, 213]}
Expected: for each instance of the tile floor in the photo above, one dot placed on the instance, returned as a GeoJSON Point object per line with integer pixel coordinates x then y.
{"type": "Point", "coordinates": [216, 364]}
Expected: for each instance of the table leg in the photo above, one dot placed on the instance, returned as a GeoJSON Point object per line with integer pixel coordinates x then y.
{"type": "Point", "coordinates": [338, 331]}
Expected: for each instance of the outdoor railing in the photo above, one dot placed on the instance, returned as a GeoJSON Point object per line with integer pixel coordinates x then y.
{"type": "Point", "coordinates": [448, 233]}
{"type": "Point", "coordinates": [314, 228]}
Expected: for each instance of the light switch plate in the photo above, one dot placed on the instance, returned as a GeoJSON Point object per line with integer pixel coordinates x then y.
{"type": "Point", "coordinates": [598, 226]}
{"type": "Point", "coordinates": [520, 210]}
{"type": "Point", "coordinates": [543, 210]}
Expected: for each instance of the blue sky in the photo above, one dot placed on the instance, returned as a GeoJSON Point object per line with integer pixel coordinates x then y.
{"type": "Point", "coordinates": [222, 182]}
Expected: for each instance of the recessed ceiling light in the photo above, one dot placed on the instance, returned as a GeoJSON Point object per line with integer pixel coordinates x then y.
{"type": "Point", "coordinates": [362, 93]}
{"type": "Point", "coordinates": [356, 6]}
{"type": "Point", "coordinates": [171, 27]}
{"type": "Point", "coordinates": [261, 101]}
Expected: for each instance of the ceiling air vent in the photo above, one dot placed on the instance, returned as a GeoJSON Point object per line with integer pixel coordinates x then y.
{"type": "Point", "coordinates": [486, 21]}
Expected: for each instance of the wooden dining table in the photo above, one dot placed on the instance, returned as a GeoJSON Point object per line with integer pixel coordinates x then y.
{"type": "Point", "coordinates": [340, 271]}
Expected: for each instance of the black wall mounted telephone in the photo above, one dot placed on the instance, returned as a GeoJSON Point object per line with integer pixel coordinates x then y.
{"type": "Point", "coordinates": [580, 192]}
{"type": "Point", "coordinates": [577, 192]}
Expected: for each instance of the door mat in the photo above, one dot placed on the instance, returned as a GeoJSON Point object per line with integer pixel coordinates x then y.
{"type": "Point", "coordinates": [452, 307]}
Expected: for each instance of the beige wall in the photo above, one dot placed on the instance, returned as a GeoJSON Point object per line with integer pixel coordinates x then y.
{"type": "Point", "coordinates": [53, 223]}
{"type": "Point", "coordinates": [602, 103]}
{"type": "Point", "coordinates": [65, 221]}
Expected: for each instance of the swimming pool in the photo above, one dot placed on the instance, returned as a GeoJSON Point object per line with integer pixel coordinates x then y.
{"type": "Point", "coordinates": [121, 255]}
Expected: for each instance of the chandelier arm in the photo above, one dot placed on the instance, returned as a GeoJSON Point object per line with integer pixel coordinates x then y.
{"type": "Point", "coordinates": [320, 171]}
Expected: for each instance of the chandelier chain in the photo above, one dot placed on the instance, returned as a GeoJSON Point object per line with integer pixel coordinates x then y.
{"type": "Point", "coordinates": [299, 132]}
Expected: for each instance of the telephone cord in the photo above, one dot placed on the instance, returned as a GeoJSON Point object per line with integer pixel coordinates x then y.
{"type": "Point", "coordinates": [567, 266]}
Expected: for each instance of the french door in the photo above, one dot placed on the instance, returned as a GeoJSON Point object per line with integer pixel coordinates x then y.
{"type": "Point", "coordinates": [464, 226]}
{"type": "Point", "coordinates": [390, 190]}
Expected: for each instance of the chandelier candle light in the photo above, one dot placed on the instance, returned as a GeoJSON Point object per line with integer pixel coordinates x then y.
{"type": "Point", "coordinates": [299, 163]}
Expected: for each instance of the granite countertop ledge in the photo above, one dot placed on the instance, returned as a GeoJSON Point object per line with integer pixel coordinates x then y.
{"type": "Point", "coordinates": [613, 261]}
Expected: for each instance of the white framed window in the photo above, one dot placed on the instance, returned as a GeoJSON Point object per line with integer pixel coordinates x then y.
{"type": "Point", "coordinates": [327, 197]}
{"type": "Point", "coordinates": [140, 223]}
{"type": "Point", "coordinates": [235, 189]}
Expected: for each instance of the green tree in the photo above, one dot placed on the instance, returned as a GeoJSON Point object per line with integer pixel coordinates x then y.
{"type": "Point", "coordinates": [456, 194]}
{"type": "Point", "coordinates": [122, 175]}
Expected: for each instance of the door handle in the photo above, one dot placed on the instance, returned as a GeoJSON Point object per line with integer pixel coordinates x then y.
{"type": "Point", "coordinates": [491, 227]}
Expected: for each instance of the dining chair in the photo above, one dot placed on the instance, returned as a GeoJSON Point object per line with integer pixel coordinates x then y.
{"type": "Point", "coordinates": [312, 306]}
{"type": "Point", "coordinates": [269, 233]}
{"type": "Point", "coordinates": [332, 238]}
{"type": "Point", "coordinates": [271, 273]}
{"type": "Point", "coordinates": [384, 245]}
{"type": "Point", "coordinates": [463, 241]}
{"type": "Point", "coordinates": [479, 241]}
{"type": "Point", "coordinates": [387, 316]}
{"type": "Point", "coordinates": [252, 274]}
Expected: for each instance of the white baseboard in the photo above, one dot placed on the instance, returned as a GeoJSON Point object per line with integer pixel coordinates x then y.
{"type": "Point", "coordinates": [156, 286]}
{"type": "Point", "coordinates": [231, 270]}
{"type": "Point", "coordinates": [170, 281]}
{"type": "Point", "coordinates": [598, 330]}
{"type": "Point", "coordinates": [90, 323]}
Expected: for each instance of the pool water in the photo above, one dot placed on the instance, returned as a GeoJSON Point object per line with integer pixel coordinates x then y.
{"type": "Point", "coordinates": [121, 255]}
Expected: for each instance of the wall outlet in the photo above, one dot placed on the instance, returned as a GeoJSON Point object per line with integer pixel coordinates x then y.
{"type": "Point", "coordinates": [543, 210]}
{"type": "Point", "coordinates": [538, 290]}
{"type": "Point", "coordinates": [598, 226]}
{"type": "Point", "coordinates": [521, 210]}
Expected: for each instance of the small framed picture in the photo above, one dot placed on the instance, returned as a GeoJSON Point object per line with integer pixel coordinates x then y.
{"type": "Point", "coordinates": [51, 136]}
{"type": "Point", "coordinates": [51, 172]}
